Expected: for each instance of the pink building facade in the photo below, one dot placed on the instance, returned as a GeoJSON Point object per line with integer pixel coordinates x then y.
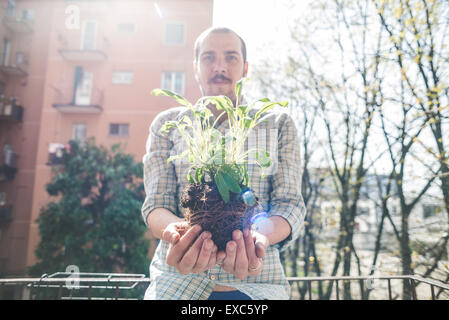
{"type": "Point", "coordinates": [79, 69]}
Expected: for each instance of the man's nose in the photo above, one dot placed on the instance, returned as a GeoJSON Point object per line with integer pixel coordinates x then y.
{"type": "Point", "coordinates": [219, 65]}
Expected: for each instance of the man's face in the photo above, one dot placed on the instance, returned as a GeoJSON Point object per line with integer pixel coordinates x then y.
{"type": "Point", "coordinates": [220, 65]}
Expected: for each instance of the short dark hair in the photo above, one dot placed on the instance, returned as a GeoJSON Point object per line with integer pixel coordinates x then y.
{"type": "Point", "coordinates": [205, 33]}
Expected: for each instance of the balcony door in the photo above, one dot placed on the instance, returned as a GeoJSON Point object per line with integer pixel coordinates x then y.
{"type": "Point", "coordinates": [89, 35]}
{"type": "Point", "coordinates": [6, 50]}
{"type": "Point", "coordinates": [83, 87]}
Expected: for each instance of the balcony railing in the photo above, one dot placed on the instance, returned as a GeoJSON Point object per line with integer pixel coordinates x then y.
{"type": "Point", "coordinates": [10, 111]}
{"type": "Point", "coordinates": [18, 24]}
{"type": "Point", "coordinates": [5, 214]}
{"type": "Point", "coordinates": [8, 168]}
{"type": "Point", "coordinates": [64, 101]}
{"type": "Point", "coordinates": [114, 286]}
{"type": "Point", "coordinates": [72, 50]}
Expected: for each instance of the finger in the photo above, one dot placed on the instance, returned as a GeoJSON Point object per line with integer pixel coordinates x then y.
{"type": "Point", "coordinates": [241, 259]}
{"type": "Point", "coordinates": [257, 269]}
{"type": "Point", "coordinates": [221, 255]}
{"type": "Point", "coordinates": [178, 250]}
{"type": "Point", "coordinates": [261, 245]}
{"type": "Point", "coordinates": [253, 260]}
{"type": "Point", "coordinates": [190, 258]}
{"type": "Point", "coordinates": [170, 235]}
{"type": "Point", "coordinates": [204, 256]}
{"type": "Point", "coordinates": [186, 241]}
{"type": "Point", "coordinates": [229, 260]}
{"type": "Point", "coordinates": [212, 259]}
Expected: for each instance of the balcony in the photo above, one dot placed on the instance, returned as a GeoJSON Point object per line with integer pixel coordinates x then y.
{"type": "Point", "coordinates": [13, 71]}
{"type": "Point", "coordinates": [72, 48]}
{"type": "Point", "coordinates": [82, 55]}
{"type": "Point", "coordinates": [18, 24]}
{"type": "Point", "coordinates": [68, 102]}
{"type": "Point", "coordinates": [5, 214]}
{"type": "Point", "coordinates": [7, 165]}
{"type": "Point", "coordinates": [55, 154]}
{"type": "Point", "coordinates": [10, 111]}
{"type": "Point", "coordinates": [16, 65]}
{"type": "Point", "coordinates": [117, 286]}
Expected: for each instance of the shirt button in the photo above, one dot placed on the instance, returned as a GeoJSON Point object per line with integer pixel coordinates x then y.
{"type": "Point", "coordinates": [212, 277]}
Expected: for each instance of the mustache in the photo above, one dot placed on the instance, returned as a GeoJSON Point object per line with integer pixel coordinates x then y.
{"type": "Point", "coordinates": [219, 77]}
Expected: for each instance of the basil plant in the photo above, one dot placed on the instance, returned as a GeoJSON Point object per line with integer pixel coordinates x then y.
{"type": "Point", "coordinates": [214, 156]}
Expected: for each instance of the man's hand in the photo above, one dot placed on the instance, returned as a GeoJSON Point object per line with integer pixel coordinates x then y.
{"type": "Point", "coordinates": [189, 251]}
{"type": "Point", "coordinates": [244, 254]}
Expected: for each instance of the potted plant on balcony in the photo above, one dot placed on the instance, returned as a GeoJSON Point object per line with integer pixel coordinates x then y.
{"type": "Point", "coordinates": [218, 196]}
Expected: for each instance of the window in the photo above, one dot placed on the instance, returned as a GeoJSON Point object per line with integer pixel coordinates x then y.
{"type": "Point", "coordinates": [430, 210]}
{"type": "Point", "coordinates": [123, 77]}
{"type": "Point", "coordinates": [20, 58]}
{"type": "Point", "coordinates": [26, 15]}
{"type": "Point", "coordinates": [6, 49]}
{"type": "Point", "coordinates": [363, 211]}
{"type": "Point", "coordinates": [173, 81]}
{"type": "Point", "coordinates": [83, 86]}
{"type": "Point", "coordinates": [126, 27]}
{"type": "Point", "coordinates": [119, 129]}
{"type": "Point", "coordinates": [174, 34]}
{"type": "Point", "coordinates": [89, 35]}
{"type": "Point", "coordinates": [10, 10]}
{"type": "Point", "coordinates": [79, 131]}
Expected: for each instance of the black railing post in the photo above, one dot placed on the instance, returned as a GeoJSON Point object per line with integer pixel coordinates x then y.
{"type": "Point", "coordinates": [433, 291]}
{"type": "Point", "coordinates": [309, 284]}
{"type": "Point", "coordinates": [389, 290]}
{"type": "Point", "coordinates": [39, 285]}
{"type": "Point", "coordinates": [107, 286]}
{"type": "Point", "coordinates": [337, 290]}
{"type": "Point", "coordinates": [362, 290]}
{"type": "Point", "coordinates": [412, 283]}
{"type": "Point", "coordinates": [60, 291]}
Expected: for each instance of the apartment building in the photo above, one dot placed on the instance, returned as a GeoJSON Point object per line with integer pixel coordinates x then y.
{"type": "Point", "coordinates": [77, 69]}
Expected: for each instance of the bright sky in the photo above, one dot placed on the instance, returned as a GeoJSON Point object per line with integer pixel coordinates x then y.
{"type": "Point", "coordinates": [256, 21]}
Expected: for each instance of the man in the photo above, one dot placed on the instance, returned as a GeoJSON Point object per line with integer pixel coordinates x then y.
{"type": "Point", "coordinates": [188, 266]}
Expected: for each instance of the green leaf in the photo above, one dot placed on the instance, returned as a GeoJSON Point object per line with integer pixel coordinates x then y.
{"type": "Point", "coordinates": [179, 156]}
{"type": "Point", "coordinates": [199, 175]}
{"type": "Point", "coordinates": [222, 187]}
{"type": "Point", "coordinates": [263, 159]}
{"type": "Point", "coordinates": [187, 120]}
{"type": "Point", "coordinates": [269, 105]}
{"type": "Point", "coordinates": [189, 176]}
{"type": "Point", "coordinates": [167, 125]}
{"type": "Point", "coordinates": [232, 173]}
{"type": "Point", "coordinates": [238, 86]}
{"type": "Point", "coordinates": [180, 99]}
{"type": "Point", "coordinates": [231, 183]}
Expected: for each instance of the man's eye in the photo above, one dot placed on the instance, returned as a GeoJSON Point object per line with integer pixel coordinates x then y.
{"type": "Point", "coordinates": [208, 58]}
{"type": "Point", "coordinates": [231, 58]}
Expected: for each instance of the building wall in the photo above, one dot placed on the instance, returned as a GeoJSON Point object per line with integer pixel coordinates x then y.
{"type": "Point", "coordinates": [51, 80]}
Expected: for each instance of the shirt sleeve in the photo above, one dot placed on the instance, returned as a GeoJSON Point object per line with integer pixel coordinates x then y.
{"type": "Point", "coordinates": [286, 197]}
{"type": "Point", "coordinates": [159, 175]}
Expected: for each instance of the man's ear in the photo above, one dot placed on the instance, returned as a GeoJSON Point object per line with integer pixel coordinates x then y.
{"type": "Point", "coordinates": [245, 69]}
{"type": "Point", "coordinates": [195, 71]}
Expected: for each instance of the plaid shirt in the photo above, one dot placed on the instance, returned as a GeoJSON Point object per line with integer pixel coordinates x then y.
{"type": "Point", "coordinates": [279, 192]}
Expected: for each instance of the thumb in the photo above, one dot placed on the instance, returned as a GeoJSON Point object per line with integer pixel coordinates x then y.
{"type": "Point", "coordinates": [261, 244]}
{"type": "Point", "coordinates": [170, 235]}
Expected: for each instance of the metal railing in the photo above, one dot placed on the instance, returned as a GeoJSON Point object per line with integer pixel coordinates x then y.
{"type": "Point", "coordinates": [437, 288]}
{"type": "Point", "coordinates": [116, 286]}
